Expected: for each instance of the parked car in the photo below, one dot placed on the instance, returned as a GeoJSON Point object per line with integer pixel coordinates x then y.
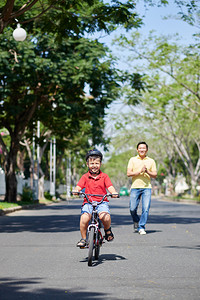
{"type": "Point", "coordinates": [123, 191]}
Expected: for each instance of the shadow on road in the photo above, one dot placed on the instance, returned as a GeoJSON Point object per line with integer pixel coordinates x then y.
{"type": "Point", "coordinates": [69, 221]}
{"type": "Point", "coordinates": [52, 223]}
{"type": "Point", "coordinates": [153, 231]}
{"type": "Point", "coordinates": [105, 257]}
{"type": "Point", "coordinates": [121, 220]}
{"type": "Point", "coordinates": [196, 247]}
{"type": "Point", "coordinates": [13, 289]}
{"type": "Point", "coordinates": [167, 219]}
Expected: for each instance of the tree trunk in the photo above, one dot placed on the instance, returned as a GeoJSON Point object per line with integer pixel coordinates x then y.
{"type": "Point", "coordinates": [10, 178]}
{"type": "Point", "coordinates": [41, 188]}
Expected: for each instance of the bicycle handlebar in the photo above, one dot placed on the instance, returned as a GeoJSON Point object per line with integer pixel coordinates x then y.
{"type": "Point", "coordinates": [95, 195]}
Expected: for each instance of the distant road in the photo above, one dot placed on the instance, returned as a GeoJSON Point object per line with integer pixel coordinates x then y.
{"type": "Point", "coordinates": [39, 259]}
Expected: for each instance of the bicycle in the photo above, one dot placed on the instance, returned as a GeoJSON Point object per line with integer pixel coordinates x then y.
{"type": "Point", "coordinates": [94, 230]}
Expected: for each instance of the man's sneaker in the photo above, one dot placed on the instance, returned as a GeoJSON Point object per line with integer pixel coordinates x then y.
{"type": "Point", "coordinates": [135, 226]}
{"type": "Point", "coordinates": [142, 231]}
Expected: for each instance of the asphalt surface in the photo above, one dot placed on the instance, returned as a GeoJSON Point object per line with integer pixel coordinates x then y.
{"type": "Point", "coordinates": [39, 259]}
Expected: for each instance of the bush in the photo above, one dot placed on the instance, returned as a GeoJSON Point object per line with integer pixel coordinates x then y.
{"type": "Point", "coordinates": [27, 195]}
{"type": "Point", "coordinates": [48, 196]}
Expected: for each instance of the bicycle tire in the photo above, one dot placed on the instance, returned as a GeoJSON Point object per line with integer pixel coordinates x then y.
{"type": "Point", "coordinates": [91, 246]}
{"type": "Point", "coordinates": [97, 247]}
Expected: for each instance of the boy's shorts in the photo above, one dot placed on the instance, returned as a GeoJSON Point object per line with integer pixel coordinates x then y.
{"type": "Point", "coordinates": [103, 207]}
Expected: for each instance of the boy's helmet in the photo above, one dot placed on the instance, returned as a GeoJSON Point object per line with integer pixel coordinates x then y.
{"type": "Point", "coordinates": [94, 152]}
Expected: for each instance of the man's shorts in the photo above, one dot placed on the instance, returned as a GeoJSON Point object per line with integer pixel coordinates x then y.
{"type": "Point", "coordinates": [103, 207]}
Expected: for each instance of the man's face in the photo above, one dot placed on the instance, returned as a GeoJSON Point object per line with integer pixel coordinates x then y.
{"type": "Point", "coordinates": [94, 164]}
{"type": "Point", "coordinates": [142, 150]}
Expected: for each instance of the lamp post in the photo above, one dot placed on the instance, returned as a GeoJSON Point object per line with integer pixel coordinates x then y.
{"type": "Point", "coordinates": [19, 34]}
{"type": "Point", "coordinates": [36, 172]}
{"type": "Point", "coordinates": [53, 167]}
{"type": "Point", "coordinates": [68, 177]}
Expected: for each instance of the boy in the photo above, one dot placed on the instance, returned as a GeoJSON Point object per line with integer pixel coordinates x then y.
{"type": "Point", "coordinates": [95, 182]}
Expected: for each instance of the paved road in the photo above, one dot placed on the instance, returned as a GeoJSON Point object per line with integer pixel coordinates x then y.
{"type": "Point", "coordinates": [39, 260]}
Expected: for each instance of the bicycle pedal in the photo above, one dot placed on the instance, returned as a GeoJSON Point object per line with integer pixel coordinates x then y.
{"type": "Point", "coordinates": [83, 247]}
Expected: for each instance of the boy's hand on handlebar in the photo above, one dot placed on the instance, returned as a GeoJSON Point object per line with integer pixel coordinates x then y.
{"type": "Point", "coordinates": [75, 192]}
{"type": "Point", "coordinates": [115, 195]}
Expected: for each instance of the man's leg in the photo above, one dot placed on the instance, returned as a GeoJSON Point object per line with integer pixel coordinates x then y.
{"type": "Point", "coordinates": [146, 202]}
{"type": "Point", "coordinates": [133, 204]}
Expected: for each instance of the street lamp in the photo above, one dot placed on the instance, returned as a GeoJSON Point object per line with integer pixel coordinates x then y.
{"type": "Point", "coordinates": [19, 34]}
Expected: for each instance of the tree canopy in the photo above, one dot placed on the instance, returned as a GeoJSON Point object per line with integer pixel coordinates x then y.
{"type": "Point", "coordinates": [44, 78]}
{"type": "Point", "coordinates": [69, 17]}
{"type": "Point", "coordinates": [167, 110]}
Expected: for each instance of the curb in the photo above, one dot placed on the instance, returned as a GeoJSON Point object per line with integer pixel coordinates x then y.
{"type": "Point", "coordinates": [181, 201]}
{"type": "Point", "coordinates": [6, 211]}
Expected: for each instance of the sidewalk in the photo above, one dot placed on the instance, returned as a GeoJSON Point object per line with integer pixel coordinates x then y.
{"type": "Point", "coordinates": [168, 199]}
{"type": "Point", "coordinates": [6, 211]}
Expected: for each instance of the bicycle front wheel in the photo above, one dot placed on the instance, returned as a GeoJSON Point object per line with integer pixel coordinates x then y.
{"type": "Point", "coordinates": [91, 246]}
{"type": "Point", "coordinates": [97, 246]}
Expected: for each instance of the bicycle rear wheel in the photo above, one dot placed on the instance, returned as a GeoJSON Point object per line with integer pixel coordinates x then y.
{"type": "Point", "coordinates": [91, 246]}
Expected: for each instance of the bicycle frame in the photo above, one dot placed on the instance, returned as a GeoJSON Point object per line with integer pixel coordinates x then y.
{"type": "Point", "coordinates": [95, 223]}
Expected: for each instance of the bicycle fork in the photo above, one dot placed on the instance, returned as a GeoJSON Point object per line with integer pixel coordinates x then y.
{"type": "Point", "coordinates": [98, 237]}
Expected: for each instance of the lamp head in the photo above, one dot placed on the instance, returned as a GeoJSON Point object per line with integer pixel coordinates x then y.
{"type": "Point", "coordinates": [19, 34]}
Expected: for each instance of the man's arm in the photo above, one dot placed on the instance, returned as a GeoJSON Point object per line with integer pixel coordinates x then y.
{"type": "Point", "coordinates": [152, 174]}
{"type": "Point", "coordinates": [130, 173]}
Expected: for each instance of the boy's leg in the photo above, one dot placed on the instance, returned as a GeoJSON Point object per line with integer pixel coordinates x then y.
{"type": "Point", "coordinates": [84, 221]}
{"type": "Point", "coordinates": [105, 219]}
{"type": "Point", "coordinates": [104, 216]}
{"type": "Point", "coordinates": [86, 212]}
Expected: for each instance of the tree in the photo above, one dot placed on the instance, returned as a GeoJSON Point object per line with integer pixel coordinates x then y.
{"type": "Point", "coordinates": [44, 77]}
{"type": "Point", "coordinates": [170, 105]}
{"type": "Point", "coordinates": [69, 17]}
{"type": "Point", "coordinates": [32, 88]}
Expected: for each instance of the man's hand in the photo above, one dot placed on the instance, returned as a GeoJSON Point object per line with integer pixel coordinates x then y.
{"type": "Point", "coordinates": [144, 169]}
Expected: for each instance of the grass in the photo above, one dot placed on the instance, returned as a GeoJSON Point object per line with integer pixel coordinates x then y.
{"type": "Point", "coordinates": [4, 205]}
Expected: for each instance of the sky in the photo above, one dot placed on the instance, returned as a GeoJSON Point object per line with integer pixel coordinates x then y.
{"type": "Point", "coordinates": [154, 20]}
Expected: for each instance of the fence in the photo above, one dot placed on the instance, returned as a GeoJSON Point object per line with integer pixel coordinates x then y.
{"type": "Point", "coordinates": [21, 182]}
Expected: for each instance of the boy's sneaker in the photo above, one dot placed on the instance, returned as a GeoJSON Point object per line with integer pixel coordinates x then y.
{"type": "Point", "coordinates": [135, 226]}
{"type": "Point", "coordinates": [142, 231]}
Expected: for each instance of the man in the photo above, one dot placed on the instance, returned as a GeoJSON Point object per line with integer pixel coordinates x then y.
{"type": "Point", "coordinates": [141, 168]}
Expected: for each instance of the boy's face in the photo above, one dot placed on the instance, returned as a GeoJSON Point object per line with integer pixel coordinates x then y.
{"type": "Point", "coordinates": [94, 165]}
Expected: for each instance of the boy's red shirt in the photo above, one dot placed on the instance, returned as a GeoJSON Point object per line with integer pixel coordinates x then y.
{"type": "Point", "coordinates": [96, 185]}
